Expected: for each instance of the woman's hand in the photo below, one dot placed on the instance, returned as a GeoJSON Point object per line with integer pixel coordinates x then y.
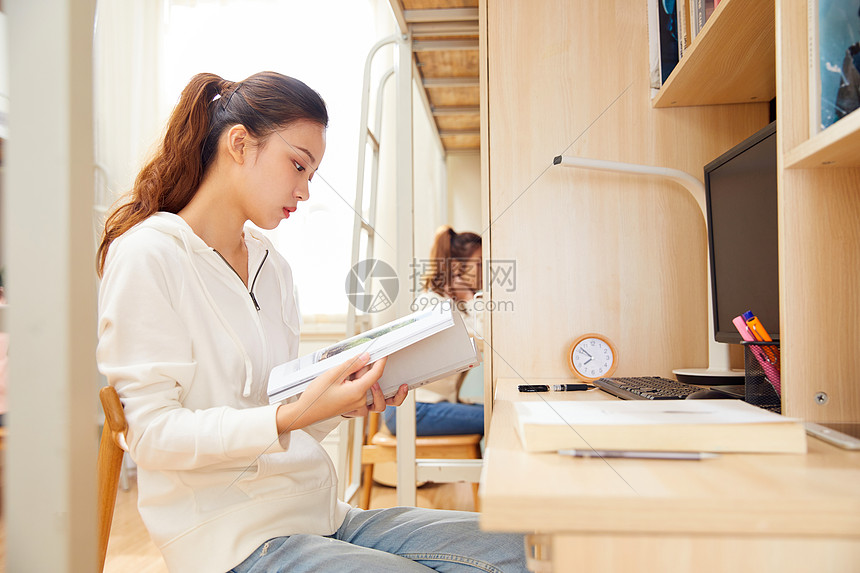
{"type": "Point", "coordinates": [341, 389]}
{"type": "Point", "coordinates": [379, 401]}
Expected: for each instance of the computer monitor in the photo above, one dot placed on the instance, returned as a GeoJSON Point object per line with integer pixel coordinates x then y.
{"type": "Point", "coordinates": [741, 199]}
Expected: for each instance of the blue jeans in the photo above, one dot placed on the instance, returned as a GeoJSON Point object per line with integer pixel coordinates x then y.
{"type": "Point", "coordinates": [396, 540]}
{"type": "Point", "coordinates": [441, 419]}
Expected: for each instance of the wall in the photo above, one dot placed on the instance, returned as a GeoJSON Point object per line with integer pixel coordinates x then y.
{"type": "Point", "coordinates": [429, 180]}
{"type": "Point", "coordinates": [593, 252]}
{"type": "Point", "coordinates": [464, 191]}
{"type": "Point", "coordinates": [428, 166]}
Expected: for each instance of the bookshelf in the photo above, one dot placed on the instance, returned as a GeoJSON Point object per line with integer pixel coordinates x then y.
{"type": "Point", "coordinates": [819, 210]}
{"type": "Point", "coordinates": [733, 60]}
{"type": "Point", "coordinates": [730, 61]}
{"type": "Point", "coordinates": [837, 146]}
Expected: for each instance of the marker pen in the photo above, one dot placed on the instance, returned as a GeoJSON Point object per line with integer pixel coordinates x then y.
{"type": "Point", "coordinates": [743, 329]}
{"type": "Point", "coordinates": [757, 330]}
{"type": "Point", "coordinates": [554, 387]}
{"type": "Point", "coordinates": [756, 327]}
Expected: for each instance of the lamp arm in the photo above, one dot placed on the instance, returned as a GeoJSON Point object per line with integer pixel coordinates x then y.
{"type": "Point", "coordinates": [690, 183]}
{"type": "Point", "coordinates": [718, 354]}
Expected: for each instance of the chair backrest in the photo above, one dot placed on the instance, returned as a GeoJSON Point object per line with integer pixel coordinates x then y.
{"type": "Point", "coordinates": [111, 450]}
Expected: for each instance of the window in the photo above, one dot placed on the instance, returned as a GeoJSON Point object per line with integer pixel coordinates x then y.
{"type": "Point", "coordinates": [324, 43]}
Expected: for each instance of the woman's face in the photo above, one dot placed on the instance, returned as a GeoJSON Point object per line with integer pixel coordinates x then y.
{"type": "Point", "coordinates": [466, 276]}
{"type": "Point", "coordinates": [278, 173]}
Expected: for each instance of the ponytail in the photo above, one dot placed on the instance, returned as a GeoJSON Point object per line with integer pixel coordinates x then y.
{"type": "Point", "coordinates": [207, 107]}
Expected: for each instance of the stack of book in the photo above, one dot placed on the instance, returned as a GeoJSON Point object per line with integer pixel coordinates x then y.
{"type": "Point", "coordinates": [658, 426]}
{"type": "Point", "coordinates": [672, 27]}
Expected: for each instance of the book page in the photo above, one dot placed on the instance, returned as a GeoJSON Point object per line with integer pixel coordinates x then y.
{"type": "Point", "coordinates": [394, 334]}
{"type": "Point", "coordinates": [644, 412]}
{"type": "Point", "coordinates": [380, 331]}
{"type": "Point", "coordinates": [427, 344]}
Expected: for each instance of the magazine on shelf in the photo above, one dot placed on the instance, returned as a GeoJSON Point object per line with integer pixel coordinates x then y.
{"type": "Point", "coordinates": [663, 47]}
{"type": "Point", "coordinates": [422, 347]}
{"type": "Point", "coordinates": [683, 10]}
{"type": "Point", "coordinates": [834, 62]}
{"type": "Point", "coordinates": [700, 11]}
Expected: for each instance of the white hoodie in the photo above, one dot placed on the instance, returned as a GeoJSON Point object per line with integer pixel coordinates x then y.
{"type": "Point", "coordinates": [182, 340]}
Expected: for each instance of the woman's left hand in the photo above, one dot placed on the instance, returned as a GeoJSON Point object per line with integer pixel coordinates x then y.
{"type": "Point", "coordinates": [379, 401]}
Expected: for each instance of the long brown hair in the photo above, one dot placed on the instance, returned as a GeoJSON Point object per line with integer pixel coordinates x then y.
{"type": "Point", "coordinates": [209, 105]}
{"type": "Point", "coordinates": [450, 249]}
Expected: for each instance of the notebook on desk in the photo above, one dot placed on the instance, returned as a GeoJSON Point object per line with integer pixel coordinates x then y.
{"type": "Point", "coordinates": [678, 425]}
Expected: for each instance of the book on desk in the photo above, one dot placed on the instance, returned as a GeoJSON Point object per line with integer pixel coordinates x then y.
{"type": "Point", "coordinates": [677, 425]}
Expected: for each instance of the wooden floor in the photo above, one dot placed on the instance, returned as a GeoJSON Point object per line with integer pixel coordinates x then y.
{"type": "Point", "coordinates": [130, 548]}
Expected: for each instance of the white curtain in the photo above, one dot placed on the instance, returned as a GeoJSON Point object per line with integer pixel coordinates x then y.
{"type": "Point", "coordinates": [128, 54]}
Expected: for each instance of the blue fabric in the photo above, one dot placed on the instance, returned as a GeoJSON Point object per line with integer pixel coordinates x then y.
{"type": "Point", "coordinates": [396, 540]}
{"type": "Point", "coordinates": [441, 419]}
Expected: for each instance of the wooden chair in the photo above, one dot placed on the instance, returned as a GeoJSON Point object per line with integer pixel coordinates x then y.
{"type": "Point", "coordinates": [382, 447]}
{"type": "Point", "coordinates": [111, 450]}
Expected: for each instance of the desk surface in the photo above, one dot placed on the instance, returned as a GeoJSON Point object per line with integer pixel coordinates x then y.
{"type": "Point", "coordinates": [781, 494]}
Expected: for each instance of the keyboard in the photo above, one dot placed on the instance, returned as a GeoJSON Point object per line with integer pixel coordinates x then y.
{"type": "Point", "coordinates": [646, 388]}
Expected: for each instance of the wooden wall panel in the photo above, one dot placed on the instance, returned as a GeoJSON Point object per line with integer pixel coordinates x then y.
{"type": "Point", "coordinates": [593, 252]}
{"type": "Point", "coordinates": [820, 282]}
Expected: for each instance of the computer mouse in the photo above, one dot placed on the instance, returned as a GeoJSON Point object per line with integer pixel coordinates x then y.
{"type": "Point", "coordinates": [710, 394]}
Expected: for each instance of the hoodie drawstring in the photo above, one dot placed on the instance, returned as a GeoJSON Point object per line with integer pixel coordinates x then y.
{"type": "Point", "coordinates": [254, 282]}
{"type": "Point", "coordinates": [246, 389]}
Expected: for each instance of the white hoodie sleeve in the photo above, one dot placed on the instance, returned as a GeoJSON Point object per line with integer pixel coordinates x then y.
{"type": "Point", "coordinates": [145, 351]}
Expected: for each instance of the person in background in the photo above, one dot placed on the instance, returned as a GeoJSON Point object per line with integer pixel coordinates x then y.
{"type": "Point", "coordinates": [454, 274]}
{"type": "Point", "coordinates": [195, 309]}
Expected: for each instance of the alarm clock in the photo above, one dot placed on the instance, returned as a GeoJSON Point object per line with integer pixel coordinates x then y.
{"type": "Point", "coordinates": [592, 356]}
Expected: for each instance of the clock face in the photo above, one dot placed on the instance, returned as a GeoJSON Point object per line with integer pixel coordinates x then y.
{"type": "Point", "coordinates": [592, 357]}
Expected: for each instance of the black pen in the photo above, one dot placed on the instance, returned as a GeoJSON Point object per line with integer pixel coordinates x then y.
{"type": "Point", "coordinates": [639, 454]}
{"type": "Point", "coordinates": [554, 387]}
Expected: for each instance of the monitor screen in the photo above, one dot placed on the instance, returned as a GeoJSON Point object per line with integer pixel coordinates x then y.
{"type": "Point", "coordinates": [740, 191]}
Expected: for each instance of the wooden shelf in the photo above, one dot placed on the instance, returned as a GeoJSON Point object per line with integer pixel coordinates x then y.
{"type": "Point", "coordinates": [836, 146]}
{"type": "Point", "coordinates": [732, 60]}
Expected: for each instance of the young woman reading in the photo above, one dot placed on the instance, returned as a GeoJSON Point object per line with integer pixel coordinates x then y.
{"type": "Point", "coordinates": [196, 307]}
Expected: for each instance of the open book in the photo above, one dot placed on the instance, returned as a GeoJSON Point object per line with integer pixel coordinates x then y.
{"type": "Point", "coordinates": [422, 347]}
{"type": "Point", "coordinates": [659, 425]}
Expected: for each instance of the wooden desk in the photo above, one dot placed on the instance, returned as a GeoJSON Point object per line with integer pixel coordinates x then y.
{"type": "Point", "coordinates": [740, 512]}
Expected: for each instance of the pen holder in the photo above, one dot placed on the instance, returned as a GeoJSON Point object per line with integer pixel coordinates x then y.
{"type": "Point", "coordinates": [762, 374]}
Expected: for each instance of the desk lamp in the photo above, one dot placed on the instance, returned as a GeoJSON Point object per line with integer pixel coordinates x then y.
{"type": "Point", "coordinates": [718, 370]}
